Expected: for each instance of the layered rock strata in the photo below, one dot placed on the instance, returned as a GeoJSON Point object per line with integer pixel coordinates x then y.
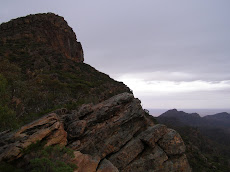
{"type": "Point", "coordinates": [114, 135]}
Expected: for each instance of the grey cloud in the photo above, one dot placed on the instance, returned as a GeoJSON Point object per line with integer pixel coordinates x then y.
{"type": "Point", "coordinates": [198, 100]}
{"type": "Point", "coordinates": [136, 36]}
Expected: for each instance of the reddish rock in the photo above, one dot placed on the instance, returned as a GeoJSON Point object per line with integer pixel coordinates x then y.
{"type": "Point", "coordinates": [85, 163]}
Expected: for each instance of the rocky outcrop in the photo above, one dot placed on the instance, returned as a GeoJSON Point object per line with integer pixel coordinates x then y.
{"type": "Point", "coordinates": [114, 135]}
{"type": "Point", "coordinates": [48, 128]}
{"type": "Point", "coordinates": [49, 29]}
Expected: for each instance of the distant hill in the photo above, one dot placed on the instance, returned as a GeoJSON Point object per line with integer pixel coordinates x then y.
{"type": "Point", "coordinates": [202, 112]}
{"type": "Point", "coordinates": [207, 138]}
{"type": "Point", "coordinates": [221, 120]}
{"type": "Point", "coordinates": [185, 118]}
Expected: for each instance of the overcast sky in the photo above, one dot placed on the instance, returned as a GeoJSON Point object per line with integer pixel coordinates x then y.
{"type": "Point", "coordinates": [171, 53]}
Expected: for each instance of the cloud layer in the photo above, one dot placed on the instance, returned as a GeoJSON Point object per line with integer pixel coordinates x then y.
{"type": "Point", "coordinates": [171, 53]}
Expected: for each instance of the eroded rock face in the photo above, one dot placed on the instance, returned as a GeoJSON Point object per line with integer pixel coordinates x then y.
{"type": "Point", "coordinates": [49, 29]}
{"type": "Point", "coordinates": [48, 127]}
{"type": "Point", "coordinates": [118, 130]}
{"type": "Point", "coordinates": [115, 135]}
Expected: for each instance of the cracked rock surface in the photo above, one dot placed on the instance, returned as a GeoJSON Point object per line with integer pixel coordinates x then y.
{"type": "Point", "coordinates": [114, 135]}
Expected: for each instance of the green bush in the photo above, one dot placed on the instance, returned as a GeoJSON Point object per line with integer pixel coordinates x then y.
{"type": "Point", "coordinates": [3, 85]}
{"type": "Point", "coordinates": [6, 167]}
{"type": "Point", "coordinates": [50, 158]}
{"type": "Point", "coordinates": [7, 116]}
{"type": "Point", "coordinates": [47, 165]}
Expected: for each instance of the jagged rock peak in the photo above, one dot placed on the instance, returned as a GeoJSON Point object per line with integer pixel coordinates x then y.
{"type": "Point", "coordinates": [47, 28]}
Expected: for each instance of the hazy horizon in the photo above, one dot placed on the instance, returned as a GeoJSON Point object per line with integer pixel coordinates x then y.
{"type": "Point", "coordinates": [172, 54]}
{"type": "Point", "coordinates": [201, 112]}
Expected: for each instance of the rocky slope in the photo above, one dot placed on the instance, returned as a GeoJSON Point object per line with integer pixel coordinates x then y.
{"type": "Point", "coordinates": [114, 135]}
{"type": "Point", "coordinates": [80, 119]}
{"type": "Point", "coordinates": [40, 52]}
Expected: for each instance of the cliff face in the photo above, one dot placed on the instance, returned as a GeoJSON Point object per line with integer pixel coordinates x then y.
{"type": "Point", "coordinates": [49, 29]}
{"type": "Point", "coordinates": [99, 120]}
{"type": "Point", "coordinates": [114, 135]}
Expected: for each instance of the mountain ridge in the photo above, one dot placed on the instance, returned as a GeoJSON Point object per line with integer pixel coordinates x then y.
{"type": "Point", "coordinates": [206, 138]}
{"type": "Point", "coordinates": [194, 119]}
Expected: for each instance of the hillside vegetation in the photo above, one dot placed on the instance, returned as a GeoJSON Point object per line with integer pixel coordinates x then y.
{"type": "Point", "coordinates": [206, 138]}
{"type": "Point", "coordinates": [36, 77]}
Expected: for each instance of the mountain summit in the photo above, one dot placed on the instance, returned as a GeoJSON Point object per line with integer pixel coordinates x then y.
{"type": "Point", "coordinates": [48, 29]}
{"type": "Point", "coordinates": [42, 69]}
